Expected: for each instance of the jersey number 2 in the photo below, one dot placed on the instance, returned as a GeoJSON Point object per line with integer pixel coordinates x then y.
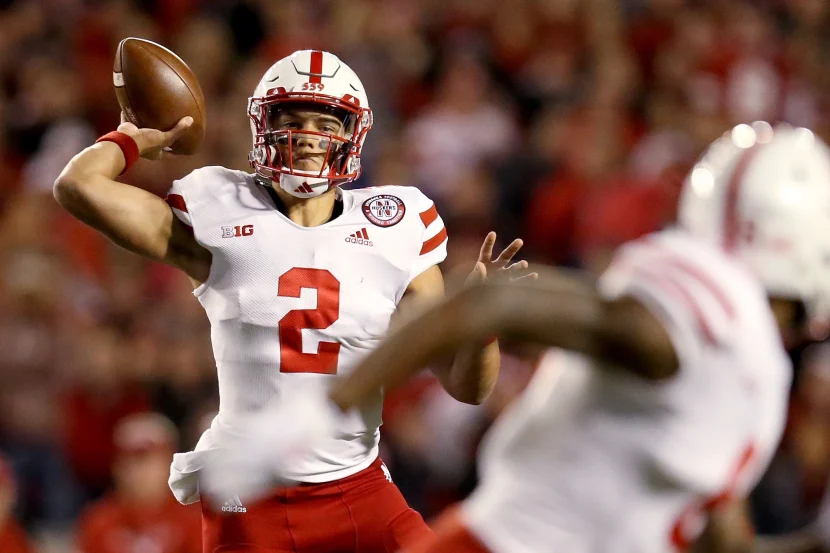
{"type": "Point", "coordinates": [292, 358]}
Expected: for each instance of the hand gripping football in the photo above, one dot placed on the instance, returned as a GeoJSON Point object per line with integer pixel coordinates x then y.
{"type": "Point", "coordinates": [155, 89]}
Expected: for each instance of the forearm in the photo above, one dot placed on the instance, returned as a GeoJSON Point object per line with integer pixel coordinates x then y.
{"type": "Point", "coordinates": [563, 311]}
{"type": "Point", "coordinates": [103, 159]}
{"type": "Point", "coordinates": [467, 320]}
{"type": "Point", "coordinates": [132, 218]}
{"type": "Point", "coordinates": [438, 332]}
{"type": "Point", "coordinates": [472, 374]}
{"type": "Point", "coordinates": [88, 179]}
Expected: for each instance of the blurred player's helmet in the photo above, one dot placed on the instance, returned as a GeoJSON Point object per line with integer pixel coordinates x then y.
{"type": "Point", "coordinates": [764, 194]}
{"type": "Point", "coordinates": [314, 80]}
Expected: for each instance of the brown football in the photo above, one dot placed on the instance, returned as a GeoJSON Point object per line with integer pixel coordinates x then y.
{"type": "Point", "coordinates": [155, 89]}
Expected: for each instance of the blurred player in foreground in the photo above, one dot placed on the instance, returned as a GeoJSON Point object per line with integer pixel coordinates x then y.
{"type": "Point", "coordinates": [300, 279]}
{"type": "Point", "coordinates": [667, 392]}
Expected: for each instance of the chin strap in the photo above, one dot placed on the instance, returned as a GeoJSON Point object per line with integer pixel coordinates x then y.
{"type": "Point", "coordinates": [304, 187]}
{"type": "Point", "coordinates": [278, 203]}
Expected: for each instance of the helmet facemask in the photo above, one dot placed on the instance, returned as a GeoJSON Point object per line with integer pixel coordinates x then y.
{"type": "Point", "coordinates": [307, 160]}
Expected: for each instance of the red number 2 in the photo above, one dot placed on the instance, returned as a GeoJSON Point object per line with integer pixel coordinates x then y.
{"type": "Point", "coordinates": [292, 358]}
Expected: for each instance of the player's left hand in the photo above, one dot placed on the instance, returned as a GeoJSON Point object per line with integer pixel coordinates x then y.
{"type": "Point", "coordinates": [488, 268]}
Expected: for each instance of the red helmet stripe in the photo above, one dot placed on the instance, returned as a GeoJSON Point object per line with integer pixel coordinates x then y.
{"type": "Point", "coordinates": [316, 67]}
{"type": "Point", "coordinates": [733, 188]}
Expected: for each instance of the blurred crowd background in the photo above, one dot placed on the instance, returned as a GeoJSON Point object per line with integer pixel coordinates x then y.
{"type": "Point", "coordinates": [569, 123]}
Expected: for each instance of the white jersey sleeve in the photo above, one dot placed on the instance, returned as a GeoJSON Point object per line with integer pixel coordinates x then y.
{"type": "Point", "coordinates": [202, 197]}
{"type": "Point", "coordinates": [690, 298]}
{"type": "Point", "coordinates": [433, 239]}
{"type": "Point", "coordinates": [729, 351]}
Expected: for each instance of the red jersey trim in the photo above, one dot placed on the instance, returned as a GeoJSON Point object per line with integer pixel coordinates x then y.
{"type": "Point", "coordinates": [176, 201]}
{"type": "Point", "coordinates": [429, 216]}
{"type": "Point", "coordinates": [683, 299]}
{"type": "Point", "coordinates": [434, 242]}
{"type": "Point", "coordinates": [714, 289]}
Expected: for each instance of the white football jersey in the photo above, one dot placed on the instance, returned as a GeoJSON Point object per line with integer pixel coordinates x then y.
{"type": "Point", "coordinates": [595, 460]}
{"type": "Point", "coordinates": [290, 306]}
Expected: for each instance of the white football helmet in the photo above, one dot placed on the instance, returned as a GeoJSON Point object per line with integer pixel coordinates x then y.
{"type": "Point", "coordinates": [320, 81]}
{"type": "Point", "coordinates": [764, 194]}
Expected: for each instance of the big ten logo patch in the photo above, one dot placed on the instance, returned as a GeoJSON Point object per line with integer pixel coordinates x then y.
{"type": "Point", "coordinates": [233, 232]}
{"type": "Point", "coordinates": [384, 210]}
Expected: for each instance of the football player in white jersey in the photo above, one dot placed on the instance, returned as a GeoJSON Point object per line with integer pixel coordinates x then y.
{"type": "Point", "coordinates": [299, 279]}
{"type": "Point", "coordinates": [666, 393]}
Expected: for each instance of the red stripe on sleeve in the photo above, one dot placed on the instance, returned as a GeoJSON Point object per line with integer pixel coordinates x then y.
{"type": "Point", "coordinates": [429, 215]}
{"type": "Point", "coordinates": [734, 480]}
{"type": "Point", "coordinates": [434, 242]}
{"type": "Point", "coordinates": [316, 67]}
{"type": "Point", "coordinates": [701, 277]}
{"type": "Point", "coordinates": [683, 299]}
{"type": "Point", "coordinates": [709, 284]}
{"type": "Point", "coordinates": [176, 201]}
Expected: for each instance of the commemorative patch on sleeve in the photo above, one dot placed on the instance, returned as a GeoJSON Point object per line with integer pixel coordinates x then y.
{"type": "Point", "coordinates": [384, 210]}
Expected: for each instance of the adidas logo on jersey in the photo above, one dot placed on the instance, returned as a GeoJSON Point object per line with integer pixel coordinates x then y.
{"type": "Point", "coordinates": [234, 505]}
{"type": "Point", "coordinates": [360, 237]}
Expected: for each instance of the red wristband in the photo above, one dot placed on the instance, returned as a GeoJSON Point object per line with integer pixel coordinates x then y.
{"type": "Point", "coordinates": [128, 147]}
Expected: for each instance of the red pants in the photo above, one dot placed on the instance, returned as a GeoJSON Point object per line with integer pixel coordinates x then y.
{"type": "Point", "coordinates": [363, 513]}
{"type": "Point", "coordinates": [451, 536]}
